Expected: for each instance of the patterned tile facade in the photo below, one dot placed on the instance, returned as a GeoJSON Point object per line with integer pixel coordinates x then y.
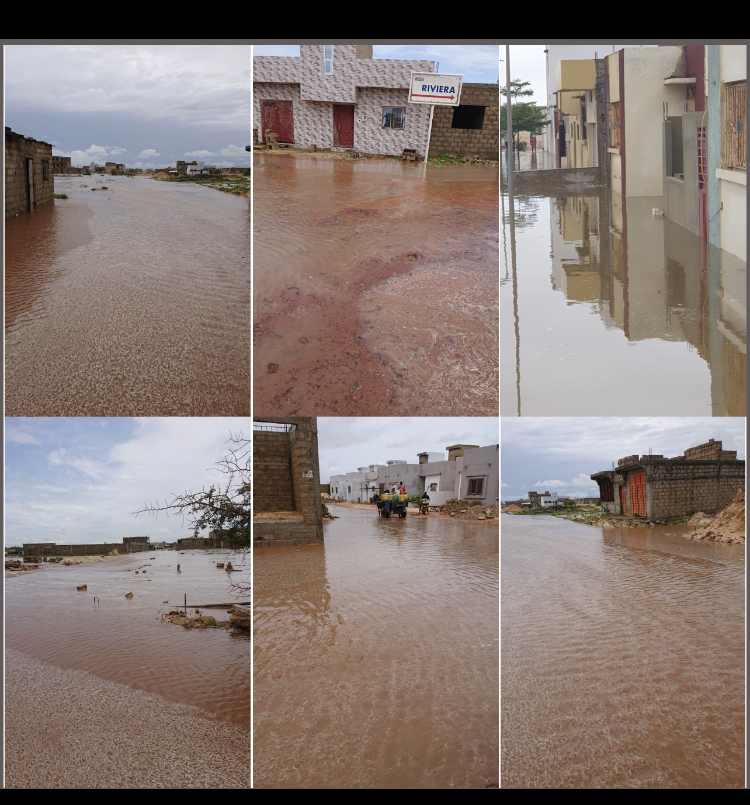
{"type": "Point", "coordinates": [368, 84]}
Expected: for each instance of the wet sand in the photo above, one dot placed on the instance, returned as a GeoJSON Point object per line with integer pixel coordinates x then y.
{"type": "Point", "coordinates": [129, 301]}
{"type": "Point", "coordinates": [622, 657]}
{"type": "Point", "coordinates": [376, 657]}
{"type": "Point", "coordinates": [70, 729]}
{"type": "Point", "coordinates": [375, 287]}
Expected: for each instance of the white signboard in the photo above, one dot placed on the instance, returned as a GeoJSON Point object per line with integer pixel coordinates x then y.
{"type": "Point", "coordinates": [436, 89]}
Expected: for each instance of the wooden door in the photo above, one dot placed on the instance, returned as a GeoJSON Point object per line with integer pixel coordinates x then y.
{"type": "Point", "coordinates": [623, 499]}
{"type": "Point", "coordinates": [30, 183]}
{"type": "Point", "coordinates": [343, 126]}
{"type": "Point", "coordinates": [638, 494]}
{"type": "Point", "coordinates": [279, 117]}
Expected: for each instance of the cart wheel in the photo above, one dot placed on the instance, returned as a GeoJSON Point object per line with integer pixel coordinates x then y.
{"type": "Point", "coordinates": [386, 513]}
{"type": "Point", "coordinates": [403, 514]}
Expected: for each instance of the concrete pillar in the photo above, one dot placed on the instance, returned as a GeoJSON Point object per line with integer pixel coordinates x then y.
{"type": "Point", "coordinates": [713, 142]}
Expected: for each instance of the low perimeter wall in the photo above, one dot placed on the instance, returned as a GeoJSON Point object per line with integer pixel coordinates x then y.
{"type": "Point", "coordinates": [570, 181]}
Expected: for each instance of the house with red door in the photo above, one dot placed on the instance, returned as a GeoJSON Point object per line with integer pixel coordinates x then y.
{"type": "Point", "coordinates": [704, 479]}
{"type": "Point", "coordinates": [340, 97]}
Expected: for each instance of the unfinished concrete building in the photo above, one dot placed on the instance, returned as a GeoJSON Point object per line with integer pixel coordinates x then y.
{"type": "Point", "coordinates": [128, 545]}
{"type": "Point", "coordinates": [470, 129]}
{"type": "Point", "coordinates": [705, 479]}
{"type": "Point", "coordinates": [287, 508]}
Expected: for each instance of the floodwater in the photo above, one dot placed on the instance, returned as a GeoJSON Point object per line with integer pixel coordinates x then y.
{"type": "Point", "coordinates": [375, 287]}
{"type": "Point", "coordinates": [622, 657]}
{"type": "Point", "coordinates": [376, 656]}
{"type": "Point", "coordinates": [607, 310]}
{"type": "Point", "coordinates": [124, 641]}
{"type": "Point", "coordinates": [133, 300]}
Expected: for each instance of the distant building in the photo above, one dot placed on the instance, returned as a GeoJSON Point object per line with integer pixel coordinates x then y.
{"type": "Point", "coordinates": [29, 181]}
{"type": "Point", "coordinates": [705, 478]}
{"type": "Point", "coordinates": [128, 545]}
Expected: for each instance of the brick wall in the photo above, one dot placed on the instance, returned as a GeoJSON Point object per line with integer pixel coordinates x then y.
{"type": "Point", "coordinates": [299, 450]}
{"type": "Point", "coordinates": [17, 149]}
{"type": "Point", "coordinates": [682, 488]}
{"type": "Point", "coordinates": [710, 451]}
{"type": "Point", "coordinates": [451, 506]}
{"type": "Point", "coordinates": [272, 490]}
{"type": "Point", "coordinates": [484, 142]}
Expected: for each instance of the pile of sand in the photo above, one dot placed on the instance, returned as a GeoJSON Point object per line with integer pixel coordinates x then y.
{"type": "Point", "coordinates": [514, 507]}
{"type": "Point", "coordinates": [201, 622]}
{"type": "Point", "coordinates": [728, 525]}
{"type": "Point", "coordinates": [489, 512]}
{"type": "Point", "coordinates": [161, 175]}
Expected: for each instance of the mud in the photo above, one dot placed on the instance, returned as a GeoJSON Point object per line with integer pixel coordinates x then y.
{"type": "Point", "coordinates": [376, 656]}
{"type": "Point", "coordinates": [375, 287]}
{"type": "Point", "coordinates": [622, 657]}
{"type": "Point", "coordinates": [134, 300]}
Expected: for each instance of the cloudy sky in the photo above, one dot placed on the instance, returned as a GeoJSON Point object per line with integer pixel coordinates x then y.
{"type": "Point", "coordinates": [559, 454]}
{"type": "Point", "coordinates": [476, 63]}
{"type": "Point", "coordinates": [144, 105]}
{"type": "Point", "coordinates": [80, 480]}
{"type": "Point", "coordinates": [347, 443]}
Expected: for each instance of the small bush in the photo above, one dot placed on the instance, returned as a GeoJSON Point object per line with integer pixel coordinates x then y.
{"type": "Point", "coordinates": [61, 195]}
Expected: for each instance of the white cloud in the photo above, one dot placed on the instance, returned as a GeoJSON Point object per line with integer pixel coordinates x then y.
{"type": "Point", "coordinates": [63, 457]}
{"type": "Point", "coordinates": [200, 154]}
{"type": "Point", "coordinates": [148, 152]}
{"type": "Point", "coordinates": [233, 151]}
{"type": "Point", "coordinates": [94, 153]}
{"type": "Point", "coordinates": [551, 485]}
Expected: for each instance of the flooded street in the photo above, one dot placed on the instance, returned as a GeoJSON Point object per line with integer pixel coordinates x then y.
{"type": "Point", "coordinates": [133, 300]}
{"type": "Point", "coordinates": [376, 656]}
{"type": "Point", "coordinates": [375, 287]}
{"type": "Point", "coordinates": [617, 311]}
{"type": "Point", "coordinates": [622, 658]}
{"type": "Point", "coordinates": [48, 619]}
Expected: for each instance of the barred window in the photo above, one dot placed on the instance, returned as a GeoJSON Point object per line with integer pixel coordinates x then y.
{"type": "Point", "coordinates": [734, 119]}
{"type": "Point", "coordinates": [393, 118]}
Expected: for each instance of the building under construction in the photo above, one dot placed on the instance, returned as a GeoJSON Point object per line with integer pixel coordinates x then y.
{"type": "Point", "coordinates": [705, 479]}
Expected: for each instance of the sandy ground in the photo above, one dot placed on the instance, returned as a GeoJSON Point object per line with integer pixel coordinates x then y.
{"type": "Point", "coordinates": [69, 729]}
{"type": "Point", "coordinates": [727, 526]}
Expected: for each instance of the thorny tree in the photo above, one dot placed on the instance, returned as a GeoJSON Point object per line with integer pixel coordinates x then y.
{"type": "Point", "coordinates": [224, 507]}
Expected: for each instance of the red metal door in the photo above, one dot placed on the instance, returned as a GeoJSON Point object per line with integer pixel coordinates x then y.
{"type": "Point", "coordinates": [343, 126]}
{"type": "Point", "coordinates": [623, 500]}
{"type": "Point", "coordinates": [638, 494]}
{"type": "Point", "coordinates": [279, 117]}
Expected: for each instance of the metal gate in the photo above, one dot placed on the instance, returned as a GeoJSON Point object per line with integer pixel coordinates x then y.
{"type": "Point", "coordinates": [702, 182]}
{"type": "Point", "coordinates": [343, 126]}
{"type": "Point", "coordinates": [623, 499]}
{"type": "Point", "coordinates": [638, 494]}
{"type": "Point", "coordinates": [279, 117]}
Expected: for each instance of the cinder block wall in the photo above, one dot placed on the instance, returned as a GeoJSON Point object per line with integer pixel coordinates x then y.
{"type": "Point", "coordinates": [484, 142]}
{"type": "Point", "coordinates": [305, 477]}
{"type": "Point", "coordinates": [682, 488]}
{"type": "Point", "coordinates": [272, 483]}
{"type": "Point", "coordinates": [17, 149]}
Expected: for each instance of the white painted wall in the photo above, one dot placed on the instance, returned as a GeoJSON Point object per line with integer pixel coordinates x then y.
{"type": "Point", "coordinates": [734, 62]}
{"type": "Point", "coordinates": [645, 71]}
{"type": "Point", "coordinates": [733, 215]}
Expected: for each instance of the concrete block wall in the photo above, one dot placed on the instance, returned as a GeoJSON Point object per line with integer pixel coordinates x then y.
{"type": "Point", "coordinates": [484, 142]}
{"type": "Point", "coordinates": [454, 505]}
{"type": "Point", "coordinates": [17, 149]}
{"type": "Point", "coordinates": [710, 451]}
{"type": "Point", "coordinates": [272, 489]}
{"type": "Point", "coordinates": [682, 488]}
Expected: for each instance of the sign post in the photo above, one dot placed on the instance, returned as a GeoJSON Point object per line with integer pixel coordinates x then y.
{"type": "Point", "coordinates": [435, 89]}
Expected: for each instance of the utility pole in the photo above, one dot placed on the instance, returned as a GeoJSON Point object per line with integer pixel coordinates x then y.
{"type": "Point", "coordinates": [509, 122]}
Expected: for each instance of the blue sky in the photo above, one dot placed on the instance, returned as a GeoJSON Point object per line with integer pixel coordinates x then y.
{"type": "Point", "coordinates": [559, 454]}
{"type": "Point", "coordinates": [477, 63]}
{"type": "Point", "coordinates": [80, 480]}
{"type": "Point", "coordinates": [143, 105]}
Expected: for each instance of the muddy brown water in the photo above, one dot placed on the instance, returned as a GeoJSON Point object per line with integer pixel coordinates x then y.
{"type": "Point", "coordinates": [124, 641]}
{"type": "Point", "coordinates": [375, 287]}
{"type": "Point", "coordinates": [376, 656]}
{"type": "Point", "coordinates": [622, 657]}
{"type": "Point", "coordinates": [619, 312]}
{"type": "Point", "coordinates": [133, 300]}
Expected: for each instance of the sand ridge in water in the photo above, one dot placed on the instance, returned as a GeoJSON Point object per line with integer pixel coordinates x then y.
{"type": "Point", "coordinates": [69, 729]}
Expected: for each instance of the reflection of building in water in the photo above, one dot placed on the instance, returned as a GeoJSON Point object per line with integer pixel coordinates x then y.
{"type": "Point", "coordinates": [653, 279]}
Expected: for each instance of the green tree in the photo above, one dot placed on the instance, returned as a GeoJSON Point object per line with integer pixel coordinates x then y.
{"type": "Point", "coordinates": [526, 117]}
{"type": "Point", "coordinates": [224, 506]}
{"type": "Point", "coordinates": [518, 89]}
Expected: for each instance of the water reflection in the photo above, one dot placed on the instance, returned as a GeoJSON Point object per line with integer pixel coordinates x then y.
{"type": "Point", "coordinates": [619, 311]}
